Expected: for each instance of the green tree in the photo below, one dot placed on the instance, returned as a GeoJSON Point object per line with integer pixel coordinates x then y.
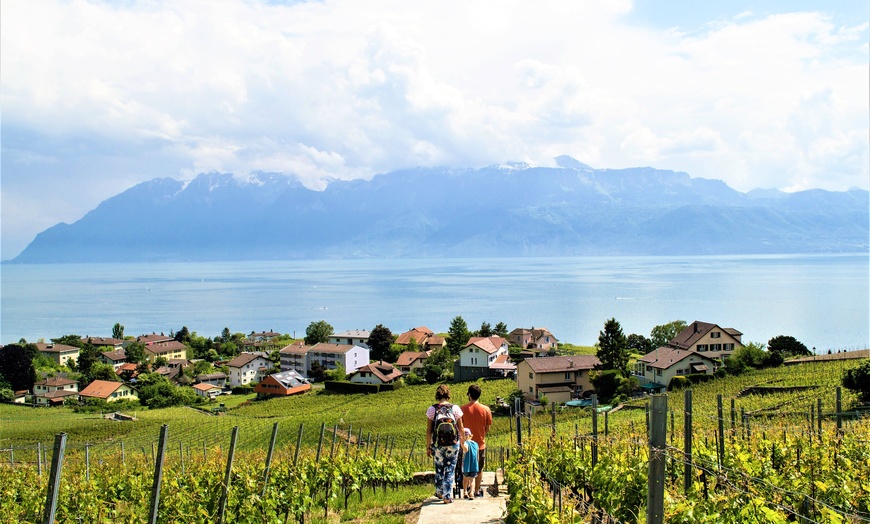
{"type": "Point", "coordinates": [380, 340]}
{"type": "Point", "coordinates": [16, 367]}
{"type": "Point", "coordinates": [787, 346]}
{"type": "Point", "coordinates": [135, 353]}
{"type": "Point", "coordinates": [225, 335]}
{"type": "Point", "coordinates": [183, 335]}
{"type": "Point", "coordinates": [485, 330]}
{"type": "Point", "coordinates": [317, 332]}
{"type": "Point", "coordinates": [69, 340]}
{"type": "Point", "coordinates": [160, 361]}
{"type": "Point", "coordinates": [88, 356]}
{"type": "Point", "coordinates": [118, 331]}
{"type": "Point", "coordinates": [858, 380]}
{"type": "Point", "coordinates": [613, 347]}
{"type": "Point", "coordinates": [639, 344]}
{"type": "Point", "coordinates": [438, 363]}
{"type": "Point", "coordinates": [662, 334]}
{"type": "Point", "coordinates": [458, 335]}
{"type": "Point", "coordinates": [501, 330]}
{"type": "Point", "coordinates": [100, 371]}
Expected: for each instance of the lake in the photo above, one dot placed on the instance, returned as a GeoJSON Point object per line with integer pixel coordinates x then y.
{"type": "Point", "coordinates": [823, 301]}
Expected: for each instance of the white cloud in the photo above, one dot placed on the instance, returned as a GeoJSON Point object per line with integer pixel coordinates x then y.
{"type": "Point", "coordinates": [342, 89]}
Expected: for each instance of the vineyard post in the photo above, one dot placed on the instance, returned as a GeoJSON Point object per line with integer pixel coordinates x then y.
{"type": "Point", "coordinates": [733, 417]}
{"type": "Point", "coordinates": [594, 430]}
{"type": "Point", "coordinates": [839, 411]}
{"type": "Point", "coordinates": [181, 454]}
{"type": "Point", "coordinates": [320, 441]}
{"type": "Point", "coordinates": [553, 418]}
{"type": "Point", "coordinates": [672, 426]}
{"type": "Point", "coordinates": [606, 423]}
{"type": "Point", "coordinates": [657, 444]}
{"type": "Point", "coordinates": [576, 435]}
{"type": "Point", "coordinates": [123, 457]}
{"type": "Point", "coordinates": [298, 445]}
{"type": "Point", "coordinates": [158, 476]}
{"type": "Point", "coordinates": [812, 418]}
{"type": "Point", "coordinates": [377, 444]}
{"type": "Point", "coordinates": [225, 491]}
{"type": "Point", "coordinates": [820, 418]}
{"type": "Point", "coordinates": [721, 430]}
{"type": "Point", "coordinates": [529, 428]}
{"type": "Point", "coordinates": [334, 434]}
{"type": "Point", "coordinates": [269, 459]}
{"type": "Point", "coordinates": [39, 458]}
{"type": "Point", "coordinates": [54, 478]}
{"type": "Point", "coordinates": [153, 455]}
{"type": "Point", "coordinates": [87, 461]}
{"type": "Point", "coordinates": [687, 441]}
{"type": "Point", "coordinates": [511, 423]}
{"type": "Point", "coordinates": [349, 438]}
{"type": "Point", "coordinates": [748, 428]}
{"type": "Point", "coordinates": [413, 445]}
{"type": "Point", "coordinates": [519, 423]}
{"type": "Point", "coordinates": [743, 421]}
{"type": "Point", "coordinates": [11, 455]}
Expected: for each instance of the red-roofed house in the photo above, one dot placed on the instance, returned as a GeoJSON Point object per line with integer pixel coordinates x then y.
{"type": "Point", "coordinates": [409, 361]}
{"type": "Point", "coordinates": [114, 358]}
{"type": "Point", "coordinates": [60, 353]}
{"type": "Point", "coordinates": [52, 391]}
{"type": "Point", "coordinates": [204, 389]}
{"type": "Point", "coordinates": [168, 349]}
{"type": "Point", "coordinates": [480, 358]}
{"type": "Point", "coordinates": [376, 373]}
{"type": "Point", "coordinates": [108, 391]}
{"type": "Point", "coordinates": [559, 378]}
{"type": "Point", "coordinates": [104, 342]}
{"type": "Point", "coordinates": [420, 335]}
{"type": "Point", "coordinates": [710, 339]}
{"type": "Point", "coordinates": [282, 384]}
{"type": "Point", "coordinates": [248, 367]}
{"type": "Point", "coordinates": [659, 366]}
{"type": "Point", "coordinates": [539, 339]}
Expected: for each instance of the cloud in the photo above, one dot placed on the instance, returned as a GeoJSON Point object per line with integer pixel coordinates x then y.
{"type": "Point", "coordinates": [341, 89]}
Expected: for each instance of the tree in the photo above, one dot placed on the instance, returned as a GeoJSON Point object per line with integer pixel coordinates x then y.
{"type": "Point", "coordinates": [118, 331]}
{"type": "Point", "coordinates": [858, 380]}
{"type": "Point", "coordinates": [437, 364]}
{"type": "Point", "coordinates": [16, 367]}
{"type": "Point", "coordinates": [458, 335]}
{"type": "Point", "coordinates": [183, 335]}
{"type": "Point", "coordinates": [613, 347]}
{"type": "Point", "coordinates": [69, 340]}
{"type": "Point", "coordinates": [160, 361]}
{"type": "Point", "coordinates": [639, 344]}
{"type": "Point", "coordinates": [380, 340]}
{"type": "Point", "coordinates": [317, 332]}
{"type": "Point", "coordinates": [501, 330]}
{"type": "Point", "coordinates": [662, 334]}
{"type": "Point", "coordinates": [134, 353]}
{"type": "Point", "coordinates": [88, 356]}
{"type": "Point", "coordinates": [225, 335]}
{"type": "Point", "coordinates": [787, 346]}
{"type": "Point", "coordinates": [485, 330]}
{"type": "Point", "coordinates": [100, 371]}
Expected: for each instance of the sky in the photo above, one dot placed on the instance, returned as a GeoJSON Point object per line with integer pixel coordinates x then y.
{"type": "Point", "coordinates": [98, 96]}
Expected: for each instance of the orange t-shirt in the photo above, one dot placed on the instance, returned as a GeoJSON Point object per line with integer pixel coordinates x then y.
{"type": "Point", "coordinates": [478, 418]}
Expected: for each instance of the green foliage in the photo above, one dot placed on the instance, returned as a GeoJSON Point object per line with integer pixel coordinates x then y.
{"type": "Point", "coordinates": [135, 353]}
{"type": "Point", "coordinates": [613, 347]}
{"type": "Point", "coordinates": [751, 356]}
{"type": "Point", "coordinates": [318, 332]}
{"type": "Point", "coordinates": [157, 392]}
{"type": "Point", "coordinates": [457, 335]}
{"type": "Point", "coordinates": [16, 366]}
{"type": "Point", "coordinates": [609, 383]}
{"type": "Point", "coordinates": [639, 344]}
{"type": "Point", "coordinates": [69, 340]}
{"type": "Point", "coordinates": [485, 330]}
{"type": "Point", "coordinates": [437, 365]}
{"type": "Point", "coordinates": [858, 380]}
{"type": "Point", "coordinates": [500, 330]}
{"type": "Point", "coordinates": [183, 335]}
{"type": "Point", "coordinates": [380, 340]}
{"type": "Point", "coordinates": [100, 371]}
{"type": "Point", "coordinates": [677, 383]}
{"type": "Point", "coordinates": [118, 331]}
{"type": "Point", "coordinates": [787, 346]}
{"type": "Point", "coordinates": [337, 374]}
{"type": "Point", "coordinates": [662, 334]}
{"type": "Point", "coordinates": [6, 394]}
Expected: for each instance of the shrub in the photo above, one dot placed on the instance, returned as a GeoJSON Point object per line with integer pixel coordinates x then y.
{"type": "Point", "coordinates": [677, 383]}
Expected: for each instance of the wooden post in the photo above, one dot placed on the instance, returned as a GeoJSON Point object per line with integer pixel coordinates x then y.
{"type": "Point", "coordinates": [687, 441]}
{"type": "Point", "coordinates": [158, 476]}
{"type": "Point", "coordinates": [87, 461]}
{"type": "Point", "coordinates": [123, 458]}
{"type": "Point", "coordinates": [269, 459]}
{"type": "Point", "coordinates": [733, 416]}
{"type": "Point", "coordinates": [54, 478]}
{"type": "Point", "coordinates": [349, 437]}
{"type": "Point", "coordinates": [606, 423]}
{"type": "Point", "coordinates": [820, 418]}
{"type": "Point", "coordinates": [320, 441]}
{"type": "Point", "coordinates": [181, 455]}
{"type": "Point", "coordinates": [553, 418]}
{"type": "Point", "coordinates": [594, 430]}
{"type": "Point", "coordinates": [413, 445]}
{"type": "Point", "coordinates": [721, 430]}
{"type": "Point", "coordinates": [657, 444]}
{"type": "Point", "coordinates": [298, 445]}
{"type": "Point", "coordinates": [225, 491]}
{"type": "Point", "coordinates": [839, 411]}
{"type": "Point", "coordinates": [39, 458]}
{"type": "Point", "coordinates": [519, 423]}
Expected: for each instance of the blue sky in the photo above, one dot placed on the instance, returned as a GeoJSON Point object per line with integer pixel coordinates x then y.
{"type": "Point", "coordinates": [96, 97]}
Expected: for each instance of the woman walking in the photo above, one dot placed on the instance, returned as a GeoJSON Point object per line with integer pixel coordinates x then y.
{"type": "Point", "coordinates": [443, 430]}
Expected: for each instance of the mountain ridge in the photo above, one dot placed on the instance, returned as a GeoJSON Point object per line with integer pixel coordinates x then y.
{"type": "Point", "coordinates": [511, 209]}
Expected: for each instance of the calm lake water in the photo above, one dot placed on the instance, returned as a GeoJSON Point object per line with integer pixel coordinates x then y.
{"type": "Point", "coordinates": [823, 301]}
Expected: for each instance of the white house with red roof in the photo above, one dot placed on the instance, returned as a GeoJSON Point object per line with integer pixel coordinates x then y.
{"type": "Point", "coordinates": [656, 369]}
{"type": "Point", "coordinates": [108, 391]}
{"type": "Point", "coordinates": [409, 361]}
{"type": "Point", "coordinates": [300, 357]}
{"type": "Point", "coordinates": [248, 367]}
{"type": "Point", "coordinates": [376, 373]}
{"type": "Point", "coordinates": [53, 390]}
{"type": "Point", "coordinates": [483, 357]}
{"type": "Point", "coordinates": [715, 342]}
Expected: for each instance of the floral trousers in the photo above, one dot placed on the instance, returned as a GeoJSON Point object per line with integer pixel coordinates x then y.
{"type": "Point", "coordinates": [445, 469]}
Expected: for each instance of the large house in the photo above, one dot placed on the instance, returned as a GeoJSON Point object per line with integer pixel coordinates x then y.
{"type": "Point", "coordinates": [558, 378]}
{"type": "Point", "coordinates": [282, 384]}
{"type": "Point", "coordinates": [108, 391]}
{"type": "Point", "coordinates": [409, 361]}
{"type": "Point", "coordinates": [424, 337]}
{"type": "Point", "coordinates": [483, 357]}
{"type": "Point", "coordinates": [168, 349]}
{"type": "Point", "coordinates": [713, 341]}
{"type": "Point", "coordinates": [52, 391]}
{"type": "Point", "coordinates": [215, 379]}
{"type": "Point", "coordinates": [248, 367]}
{"type": "Point", "coordinates": [300, 357]}
{"type": "Point", "coordinates": [104, 342]}
{"type": "Point", "coordinates": [357, 337]}
{"type": "Point", "coordinates": [114, 358]}
{"type": "Point", "coordinates": [153, 337]}
{"type": "Point", "coordinates": [60, 353]}
{"type": "Point", "coordinates": [262, 336]}
{"type": "Point", "coordinates": [656, 369]}
{"type": "Point", "coordinates": [376, 373]}
{"type": "Point", "coordinates": [539, 339]}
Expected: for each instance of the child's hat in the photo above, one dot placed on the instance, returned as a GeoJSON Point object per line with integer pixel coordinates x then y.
{"type": "Point", "coordinates": [467, 431]}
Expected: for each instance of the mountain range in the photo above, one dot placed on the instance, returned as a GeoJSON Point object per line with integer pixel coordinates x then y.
{"type": "Point", "coordinates": [502, 210]}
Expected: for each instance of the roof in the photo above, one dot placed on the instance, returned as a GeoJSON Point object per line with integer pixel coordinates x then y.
{"type": "Point", "coordinates": [560, 364]}
{"type": "Point", "coordinates": [326, 347]}
{"type": "Point", "coordinates": [356, 333]}
{"type": "Point", "coordinates": [55, 382]}
{"type": "Point", "coordinates": [205, 386]}
{"type": "Point", "coordinates": [115, 355]}
{"type": "Point", "coordinates": [555, 389]}
{"type": "Point", "coordinates": [265, 334]}
{"type": "Point", "coordinates": [488, 344]}
{"type": "Point", "coordinates": [289, 379]}
{"type": "Point", "coordinates": [385, 371]}
{"type": "Point", "coordinates": [246, 358]}
{"type": "Point", "coordinates": [58, 393]}
{"type": "Point", "coordinates": [502, 362]}
{"type": "Point", "coordinates": [211, 376]}
{"type": "Point", "coordinates": [169, 346]}
{"type": "Point", "coordinates": [695, 331]}
{"type": "Point", "coordinates": [54, 348]}
{"type": "Point", "coordinates": [665, 357]}
{"type": "Point", "coordinates": [153, 337]}
{"type": "Point", "coordinates": [127, 366]}
{"type": "Point", "coordinates": [103, 341]}
{"type": "Point", "coordinates": [100, 389]}
{"type": "Point", "coordinates": [406, 358]}
{"type": "Point", "coordinates": [296, 347]}
{"type": "Point", "coordinates": [419, 334]}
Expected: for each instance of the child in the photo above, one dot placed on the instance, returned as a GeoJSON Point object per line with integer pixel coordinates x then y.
{"type": "Point", "coordinates": [469, 464]}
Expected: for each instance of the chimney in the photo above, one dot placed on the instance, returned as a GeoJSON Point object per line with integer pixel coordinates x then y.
{"type": "Point", "coordinates": [570, 363]}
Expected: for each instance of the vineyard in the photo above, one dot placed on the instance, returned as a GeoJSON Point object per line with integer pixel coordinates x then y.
{"type": "Point", "coordinates": [767, 446]}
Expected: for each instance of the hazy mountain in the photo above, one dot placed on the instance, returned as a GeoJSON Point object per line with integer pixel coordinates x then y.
{"type": "Point", "coordinates": [505, 210]}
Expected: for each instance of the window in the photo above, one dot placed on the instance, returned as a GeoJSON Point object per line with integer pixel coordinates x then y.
{"type": "Point", "coordinates": [659, 372]}
{"type": "Point", "coordinates": [702, 347]}
{"type": "Point", "coordinates": [567, 375]}
{"type": "Point", "coordinates": [715, 334]}
{"type": "Point", "coordinates": [530, 389]}
{"type": "Point", "coordinates": [649, 368]}
{"type": "Point", "coordinates": [531, 375]}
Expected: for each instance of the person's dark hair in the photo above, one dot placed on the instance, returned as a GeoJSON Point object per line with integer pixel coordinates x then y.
{"type": "Point", "coordinates": [474, 391]}
{"type": "Point", "coordinates": [443, 392]}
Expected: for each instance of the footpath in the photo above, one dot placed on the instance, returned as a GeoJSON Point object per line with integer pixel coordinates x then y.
{"type": "Point", "coordinates": [489, 509]}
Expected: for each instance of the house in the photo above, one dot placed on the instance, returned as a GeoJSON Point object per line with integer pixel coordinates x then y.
{"type": "Point", "coordinates": [127, 371]}
{"type": "Point", "coordinates": [420, 335]}
{"type": "Point", "coordinates": [168, 349]}
{"type": "Point", "coordinates": [263, 336]}
{"type": "Point", "coordinates": [483, 357]}
{"type": "Point", "coordinates": [658, 367]}
{"type": "Point", "coordinates": [558, 378]}
{"type": "Point", "coordinates": [282, 384]}
{"type": "Point", "coordinates": [376, 373]}
{"type": "Point", "coordinates": [114, 358]}
{"type": "Point", "coordinates": [108, 391]}
{"type": "Point", "coordinates": [539, 339]}
{"type": "Point", "coordinates": [52, 391]}
{"type": "Point", "coordinates": [248, 367]}
{"type": "Point", "coordinates": [409, 361]}
{"type": "Point", "coordinates": [215, 379]}
{"type": "Point", "coordinates": [300, 357]}
{"type": "Point", "coordinates": [357, 337]}
{"type": "Point", "coordinates": [711, 340]}
{"type": "Point", "coordinates": [60, 353]}
{"type": "Point", "coordinates": [153, 337]}
{"type": "Point", "coordinates": [104, 342]}
{"type": "Point", "coordinates": [204, 389]}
